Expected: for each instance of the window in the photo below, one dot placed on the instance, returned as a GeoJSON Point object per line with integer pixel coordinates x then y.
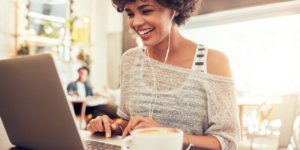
{"type": "Point", "coordinates": [264, 53]}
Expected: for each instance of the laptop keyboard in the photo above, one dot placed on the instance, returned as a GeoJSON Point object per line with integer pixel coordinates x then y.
{"type": "Point", "coordinates": [94, 145]}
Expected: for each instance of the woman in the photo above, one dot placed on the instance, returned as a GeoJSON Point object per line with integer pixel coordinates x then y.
{"type": "Point", "coordinates": [172, 81]}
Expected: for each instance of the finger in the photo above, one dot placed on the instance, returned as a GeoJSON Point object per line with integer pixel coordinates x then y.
{"type": "Point", "coordinates": [90, 128]}
{"type": "Point", "coordinates": [106, 123]}
{"type": "Point", "coordinates": [125, 132]}
{"type": "Point", "coordinates": [114, 126]}
{"type": "Point", "coordinates": [128, 127]}
{"type": "Point", "coordinates": [99, 125]}
{"type": "Point", "coordinates": [111, 121]}
{"type": "Point", "coordinates": [92, 125]}
{"type": "Point", "coordinates": [136, 121]}
{"type": "Point", "coordinates": [141, 125]}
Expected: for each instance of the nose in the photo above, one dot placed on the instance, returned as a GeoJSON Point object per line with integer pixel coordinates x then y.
{"type": "Point", "coordinates": [137, 21]}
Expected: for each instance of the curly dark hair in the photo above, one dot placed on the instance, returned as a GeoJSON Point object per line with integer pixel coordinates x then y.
{"type": "Point", "coordinates": [183, 7]}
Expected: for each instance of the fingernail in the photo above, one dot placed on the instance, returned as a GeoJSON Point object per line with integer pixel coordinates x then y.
{"type": "Point", "coordinates": [114, 126]}
{"type": "Point", "coordinates": [108, 135]}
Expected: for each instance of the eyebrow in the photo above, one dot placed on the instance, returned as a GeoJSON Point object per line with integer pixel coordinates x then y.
{"type": "Point", "coordinates": [140, 7]}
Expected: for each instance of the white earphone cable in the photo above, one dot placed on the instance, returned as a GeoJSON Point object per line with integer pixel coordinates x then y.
{"type": "Point", "coordinates": [169, 40]}
{"type": "Point", "coordinates": [151, 108]}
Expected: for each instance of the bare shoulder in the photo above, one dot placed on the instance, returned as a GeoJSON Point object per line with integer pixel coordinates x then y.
{"type": "Point", "coordinates": [218, 63]}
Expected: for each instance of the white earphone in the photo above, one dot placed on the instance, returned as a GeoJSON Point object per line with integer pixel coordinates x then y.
{"type": "Point", "coordinates": [151, 108]}
{"type": "Point", "coordinates": [169, 41]}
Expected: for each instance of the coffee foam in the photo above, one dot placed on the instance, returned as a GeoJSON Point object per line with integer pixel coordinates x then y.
{"type": "Point", "coordinates": [158, 131]}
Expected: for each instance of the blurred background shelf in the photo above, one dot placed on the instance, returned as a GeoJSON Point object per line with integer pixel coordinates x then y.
{"type": "Point", "coordinates": [41, 40]}
{"type": "Point", "coordinates": [46, 17]}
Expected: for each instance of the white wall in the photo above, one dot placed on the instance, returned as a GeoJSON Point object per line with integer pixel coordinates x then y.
{"type": "Point", "coordinates": [114, 57]}
{"type": "Point", "coordinates": [82, 8]}
{"type": "Point", "coordinates": [99, 43]}
{"type": "Point", "coordinates": [104, 21]}
{"type": "Point", "coordinates": [6, 28]}
{"type": "Point", "coordinates": [115, 19]}
{"type": "Point", "coordinates": [114, 37]}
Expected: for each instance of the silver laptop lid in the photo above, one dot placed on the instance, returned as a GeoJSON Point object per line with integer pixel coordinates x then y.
{"type": "Point", "coordinates": [33, 106]}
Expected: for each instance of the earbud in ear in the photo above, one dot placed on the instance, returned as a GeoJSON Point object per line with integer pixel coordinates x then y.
{"type": "Point", "coordinates": [174, 13]}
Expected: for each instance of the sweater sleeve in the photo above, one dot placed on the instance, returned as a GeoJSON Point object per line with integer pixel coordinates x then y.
{"type": "Point", "coordinates": [223, 122]}
{"type": "Point", "coordinates": [126, 62]}
{"type": "Point", "coordinates": [122, 110]}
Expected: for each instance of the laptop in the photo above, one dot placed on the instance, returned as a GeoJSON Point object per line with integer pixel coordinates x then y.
{"type": "Point", "coordinates": [34, 109]}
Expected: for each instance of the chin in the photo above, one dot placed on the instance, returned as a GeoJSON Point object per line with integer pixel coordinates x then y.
{"type": "Point", "coordinates": [149, 43]}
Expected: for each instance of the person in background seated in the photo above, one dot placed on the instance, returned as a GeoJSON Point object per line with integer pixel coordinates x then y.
{"type": "Point", "coordinates": [80, 88]}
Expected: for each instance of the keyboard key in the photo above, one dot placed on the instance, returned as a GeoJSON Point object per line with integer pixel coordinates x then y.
{"type": "Point", "coordinates": [94, 145]}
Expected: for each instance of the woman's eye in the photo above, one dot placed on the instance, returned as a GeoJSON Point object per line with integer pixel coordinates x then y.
{"type": "Point", "coordinates": [147, 11]}
{"type": "Point", "coordinates": [130, 15]}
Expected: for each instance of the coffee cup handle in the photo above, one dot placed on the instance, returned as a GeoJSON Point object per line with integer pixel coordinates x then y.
{"type": "Point", "coordinates": [127, 143]}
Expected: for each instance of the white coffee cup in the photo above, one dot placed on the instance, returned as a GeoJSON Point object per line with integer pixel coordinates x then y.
{"type": "Point", "coordinates": [154, 139]}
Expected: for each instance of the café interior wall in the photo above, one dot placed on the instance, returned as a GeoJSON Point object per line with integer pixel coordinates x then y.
{"type": "Point", "coordinates": [6, 28]}
{"type": "Point", "coordinates": [114, 47]}
{"type": "Point", "coordinates": [106, 27]}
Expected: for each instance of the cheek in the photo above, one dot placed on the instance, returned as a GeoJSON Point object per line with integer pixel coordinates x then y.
{"type": "Point", "coordinates": [161, 23]}
{"type": "Point", "coordinates": [162, 29]}
{"type": "Point", "coordinates": [158, 23]}
{"type": "Point", "coordinates": [129, 23]}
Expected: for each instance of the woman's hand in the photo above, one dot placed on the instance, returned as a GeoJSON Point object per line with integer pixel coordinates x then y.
{"type": "Point", "coordinates": [139, 122]}
{"type": "Point", "coordinates": [102, 124]}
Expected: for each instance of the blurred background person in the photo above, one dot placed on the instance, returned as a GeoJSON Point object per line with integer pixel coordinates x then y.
{"type": "Point", "coordinates": [82, 89]}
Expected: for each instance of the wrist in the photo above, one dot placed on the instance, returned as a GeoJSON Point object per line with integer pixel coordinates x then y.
{"type": "Point", "coordinates": [186, 140]}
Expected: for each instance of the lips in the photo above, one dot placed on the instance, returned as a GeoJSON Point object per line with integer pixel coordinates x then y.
{"type": "Point", "coordinates": [145, 34]}
{"type": "Point", "coordinates": [145, 31]}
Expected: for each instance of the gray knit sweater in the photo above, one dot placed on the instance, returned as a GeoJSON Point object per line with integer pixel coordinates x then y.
{"type": "Point", "coordinates": [198, 103]}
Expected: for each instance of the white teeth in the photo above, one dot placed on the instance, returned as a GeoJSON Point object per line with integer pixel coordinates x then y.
{"type": "Point", "coordinates": [142, 32]}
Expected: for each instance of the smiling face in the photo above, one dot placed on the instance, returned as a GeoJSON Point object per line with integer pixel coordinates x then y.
{"type": "Point", "coordinates": [149, 20]}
